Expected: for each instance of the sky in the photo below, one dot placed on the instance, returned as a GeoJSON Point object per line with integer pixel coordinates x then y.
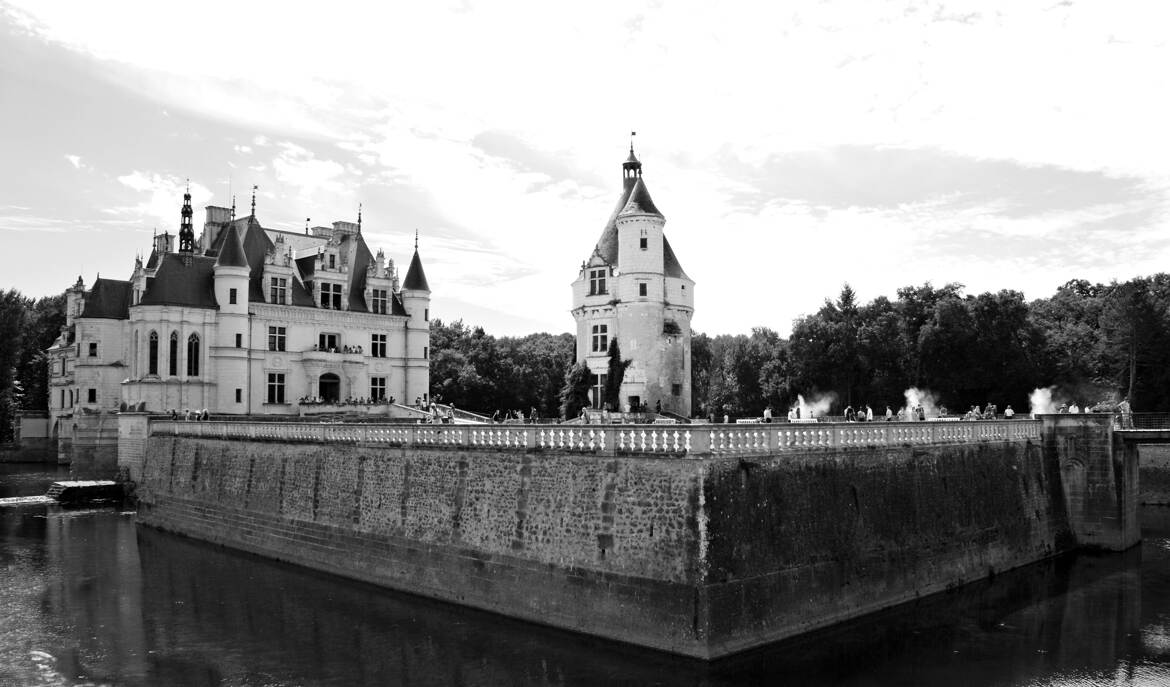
{"type": "Point", "coordinates": [792, 147]}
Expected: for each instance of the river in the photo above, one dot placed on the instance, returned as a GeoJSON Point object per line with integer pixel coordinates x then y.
{"type": "Point", "coordinates": [89, 598]}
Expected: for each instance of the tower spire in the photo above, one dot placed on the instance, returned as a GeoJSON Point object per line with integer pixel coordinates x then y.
{"type": "Point", "coordinates": [631, 168]}
{"type": "Point", "coordinates": [186, 228]}
{"type": "Point", "coordinates": [254, 187]}
{"type": "Point", "coordinates": [416, 240]}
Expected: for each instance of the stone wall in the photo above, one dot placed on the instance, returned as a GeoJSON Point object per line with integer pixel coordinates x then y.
{"type": "Point", "coordinates": [1155, 474]}
{"type": "Point", "coordinates": [702, 556]}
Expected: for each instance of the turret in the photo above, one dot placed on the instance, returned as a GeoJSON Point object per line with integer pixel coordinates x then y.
{"type": "Point", "coordinates": [186, 227]}
{"type": "Point", "coordinates": [416, 298]}
{"type": "Point", "coordinates": [74, 301]}
{"type": "Point", "coordinates": [231, 274]}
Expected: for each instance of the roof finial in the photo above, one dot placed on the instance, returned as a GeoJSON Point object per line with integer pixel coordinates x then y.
{"type": "Point", "coordinates": [416, 240]}
{"type": "Point", "coordinates": [632, 135]}
{"type": "Point", "coordinates": [359, 218]}
{"type": "Point", "coordinates": [307, 220]}
{"type": "Point", "coordinates": [233, 208]}
{"type": "Point", "coordinates": [254, 187]}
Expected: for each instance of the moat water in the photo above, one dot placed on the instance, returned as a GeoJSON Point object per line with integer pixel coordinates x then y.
{"type": "Point", "coordinates": [89, 598]}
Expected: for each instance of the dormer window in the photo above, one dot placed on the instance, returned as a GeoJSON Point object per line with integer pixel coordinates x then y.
{"type": "Point", "coordinates": [597, 282]}
{"type": "Point", "coordinates": [279, 291]}
{"type": "Point", "coordinates": [379, 300]}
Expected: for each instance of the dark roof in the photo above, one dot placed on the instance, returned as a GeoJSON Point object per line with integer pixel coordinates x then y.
{"type": "Point", "coordinates": [231, 251]}
{"type": "Point", "coordinates": [635, 198]}
{"type": "Point", "coordinates": [639, 201]}
{"type": "Point", "coordinates": [179, 283]}
{"type": "Point", "coordinates": [670, 264]}
{"type": "Point", "coordinates": [152, 261]}
{"type": "Point", "coordinates": [109, 299]}
{"type": "Point", "coordinates": [415, 277]}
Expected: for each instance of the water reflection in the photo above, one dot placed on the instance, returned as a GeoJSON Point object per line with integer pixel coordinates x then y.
{"type": "Point", "coordinates": [88, 596]}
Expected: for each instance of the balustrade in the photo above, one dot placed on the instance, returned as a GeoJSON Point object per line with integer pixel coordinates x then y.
{"type": "Point", "coordinates": [649, 440]}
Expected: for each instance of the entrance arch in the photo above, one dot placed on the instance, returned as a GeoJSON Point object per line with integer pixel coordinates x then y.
{"type": "Point", "coordinates": [329, 387]}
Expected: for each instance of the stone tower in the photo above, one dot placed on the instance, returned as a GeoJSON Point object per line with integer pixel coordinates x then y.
{"type": "Point", "coordinates": [416, 298]}
{"type": "Point", "coordinates": [633, 289]}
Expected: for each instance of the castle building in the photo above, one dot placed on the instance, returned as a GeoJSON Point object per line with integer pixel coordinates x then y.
{"type": "Point", "coordinates": [632, 289]}
{"type": "Point", "coordinates": [245, 320]}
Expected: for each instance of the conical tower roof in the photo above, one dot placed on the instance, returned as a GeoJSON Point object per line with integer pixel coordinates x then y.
{"type": "Point", "coordinates": [416, 279]}
{"type": "Point", "coordinates": [231, 253]}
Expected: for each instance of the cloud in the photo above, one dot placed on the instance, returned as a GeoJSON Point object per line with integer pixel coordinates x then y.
{"type": "Point", "coordinates": [74, 160]}
{"type": "Point", "coordinates": [163, 202]}
{"type": "Point", "coordinates": [300, 168]}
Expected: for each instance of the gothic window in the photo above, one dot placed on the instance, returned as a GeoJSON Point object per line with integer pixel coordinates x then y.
{"type": "Point", "coordinates": [380, 299]}
{"type": "Point", "coordinates": [600, 338]}
{"type": "Point", "coordinates": [279, 291]}
{"type": "Point", "coordinates": [173, 361]}
{"type": "Point", "coordinates": [596, 282]}
{"type": "Point", "coordinates": [193, 355]}
{"type": "Point", "coordinates": [152, 355]}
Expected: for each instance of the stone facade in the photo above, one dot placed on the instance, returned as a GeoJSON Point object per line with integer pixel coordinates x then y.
{"type": "Point", "coordinates": [632, 289]}
{"type": "Point", "coordinates": [246, 320]}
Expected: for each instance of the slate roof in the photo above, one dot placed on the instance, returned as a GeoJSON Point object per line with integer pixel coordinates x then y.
{"type": "Point", "coordinates": [108, 299]}
{"type": "Point", "coordinates": [177, 283]}
{"type": "Point", "coordinates": [635, 198]}
{"type": "Point", "coordinates": [415, 277]}
{"type": "Point", "coordinates": [244, 243]}
{"type": "Point", "coordinates": [231, 252]}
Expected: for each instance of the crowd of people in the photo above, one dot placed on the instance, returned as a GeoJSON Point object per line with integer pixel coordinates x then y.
{"type": "Point", "coordinates": [350, 401]}
{"type": "Point", "coordinates": [190, 415]}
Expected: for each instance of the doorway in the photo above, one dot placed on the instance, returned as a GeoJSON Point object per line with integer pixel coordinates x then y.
{"type": "Point", "coordinates": [329, 388]}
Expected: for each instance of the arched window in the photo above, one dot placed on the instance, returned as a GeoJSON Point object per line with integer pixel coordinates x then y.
{"type": "Point", "coordinates": [152, 355]}
{"type": "Point", "coordinates": [193, 355]}
{"type": "Point", "coordinates": [174, 359]}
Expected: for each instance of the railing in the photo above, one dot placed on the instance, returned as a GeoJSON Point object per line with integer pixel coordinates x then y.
{"type": "Point", "coordinates": [666, 440]}
{"type": "Point", "coordinates": [1144, 421]}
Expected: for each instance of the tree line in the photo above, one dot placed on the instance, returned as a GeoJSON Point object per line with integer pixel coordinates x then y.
{"type": "Point", "coordinates": [27, 328]}
{"type": "Point", "coordinates": [1091, 342]}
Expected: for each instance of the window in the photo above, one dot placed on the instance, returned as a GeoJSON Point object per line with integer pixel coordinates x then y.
{"type": "Point", "coordinates": [332, 261]}
{"type": "Point", "coordinates": [377, 388]}
{"type": "Point", "coordinates": [152, 356]}
{"type": "Point", "coordinates": [676, 389]}
{"type": "Point", "coordinates": [93, 350]}
{"type": "Point", "coordinates": [91, 395]}
{"type": "Point", "coordinates": [596, 282]}
{"type": "Point", "coordinates": [62, 398]}
{"type": "Point", "coordinates": [239, 340]}
{"type": "Point", "coordinates": [426, 352]}
{"type": "Point", "coordinates": [642, 242]}
{"type": "Point", "coordinates": [239, 395]}
{"type": "Point", "coordinates": [279, 291]}
{"type": "Point", "coordinates": [600, 338]}
{"type": "Point", "coordinates": [380, 298]}
{"type": "Point", "coordinates": [173, 361]}
{"type": "Point", "coordinates": [328, 342]}
{"type": "Point", "coordinates": [378, 345]}
{"type": "Point", "coordinates": [193, 355]}
{"type": "Point", "coordinates": [62, 366]}
{"type": "Point", "coordinates": [426, 314]}
{"type": "Point", "coordinates": [276, 338]}
{"type": "Point", "coordinates": [642, 289]}
{"type": "Point", "coordinates": [331, 296]}
{"type": "Point", "coordinates": [276, 387]}
{"type": "Point", "coordinates": [598, 390]}
{"type": "Point", "coordinates": [231, 296]}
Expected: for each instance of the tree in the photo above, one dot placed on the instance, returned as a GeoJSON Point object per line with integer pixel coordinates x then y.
{"type": "Point", "coordinates": [615, 373]}
{"type": "Point", "coordinates": [575, 392]}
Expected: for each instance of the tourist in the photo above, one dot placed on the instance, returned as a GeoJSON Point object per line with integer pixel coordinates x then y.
{"type": "Point", "coordinates": [768, 413]}
{"type": "Point", "coordinates": [850, 415]}
{"type": "Point", "coordinates": [868, 413]}
{"type": "Point", "coordinates": [942, 411]}
{"type": "Point", "coordinates": [658, 406]}
{"type": "Point", "coordinates": [1008, 413]}
{"type": "Point", "coordinates": [889, 414]}
{"type": "Point", "coordinates": [921, 414]}
{"type": "Point", "coordinates": [791, 414]}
